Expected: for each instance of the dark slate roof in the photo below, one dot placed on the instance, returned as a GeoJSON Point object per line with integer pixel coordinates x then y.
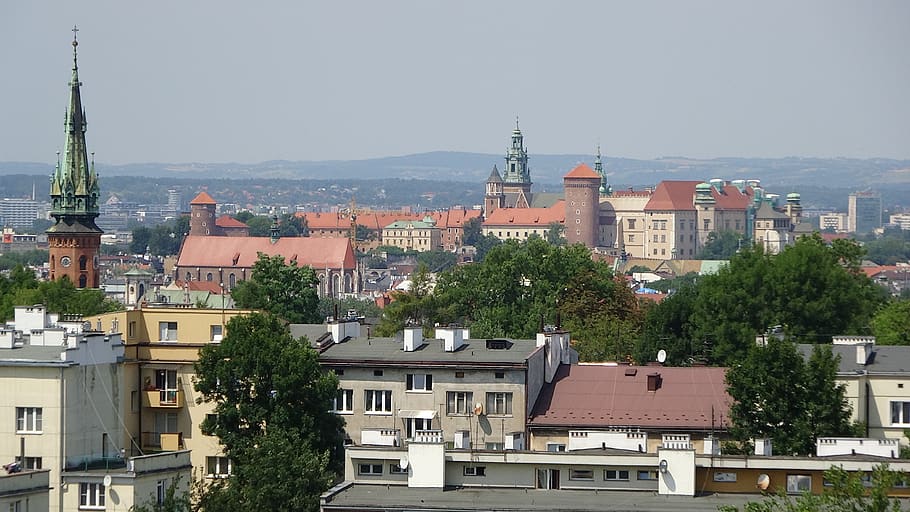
{"type": "Point", "coordinates": [389, 351]}
{"type": "Point", "coordinates": [886, 359]}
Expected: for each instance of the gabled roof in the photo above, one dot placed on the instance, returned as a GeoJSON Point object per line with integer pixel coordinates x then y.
{"type": "Point", "coordinates": [494, 176]}
{"type": "Point", "coordinates": [766, 211]}
{"type": "Point", "coordinates": [604, 396]}
{"type": "Point", "coordinates": [231, 251]}
{"type": "Point", "coordinates": [529, 217]}
{"type": "Point", "coordinates": [582, 171]}
{"type": "Point", "coordinates": [203, 198]}
{"type": "Point", "coordinates": [226, 221]}
{"type": "Point", "coordinates": [673, 195]}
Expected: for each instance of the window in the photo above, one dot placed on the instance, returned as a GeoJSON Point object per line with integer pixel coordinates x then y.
{"type": "Point", "coordinates": [28, 420]}
{"type": "Point", "coordinates": [581, 474]}
{"type": "Point", "coordinates": [499, 403]}
{"type": "Point", "coordinates": [395, 469]}
{"type": "Point", "coordinates": [663, 238]}
{"type": "Point", "coordinates": [419, 382]}
{"type": "Point", "coordinates": [168, 331]}
{"type": "Point", "coordinates": [495, 446]}
{"type": "Point", "coordinates": [212, 420]}
{"type": "Point", "coordinates": [216, 332]}
{"type": "Point", "coordinates": [131, 329]}
{"type": "Point", "coordinates": [616, 474]}
{"type": "Point", "coordinates": [798, 484]}
{"type": "Point", "coordinates": [631, 238]}
{"type": "Point", "coordinates": [344, 401]}
{"type": "Point", "coordinates": [377, 401]}
{"type": "Point", "coordinates": [631, 223]}
{"type": "Point", "coordinates": [369, 469]}
{"type": "Point", "coordinates": [15, 506]}
{"type": "Point", "coordinates": [209, 277]}
{"type": "Point", "coordinates": [459, 402]}
{"type": "Point", "coordinates": [32, 463]}
{"type": "Point", "coordinates": [377, 373]}
{"type": "Point", "coordinates": [166, 384]}
{"type": "Point", "coordinates": [647, 475]}
{"type": "Point", "coordinates": [412, 425]}
{"type": "Point", "coordinates": [218, 467]}
{"type": "Point", "coordinates": [556, 447]}
{"type": "Point", "coordinates": [160, 492]}
{"type": "Point", "coordinates": [459, 375]}
{"type": "Point", "coordinates": [499, 375]}
{"type": "Point", "coordinates": [475, 471]}
{"type": "Point", "coordinates": [900, 413]}
{"type": "Point", "coordinates": [91, 496]}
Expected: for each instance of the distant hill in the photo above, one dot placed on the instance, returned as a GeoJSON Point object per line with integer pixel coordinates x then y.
{"type": "Point", "coordinates": [546, 170]}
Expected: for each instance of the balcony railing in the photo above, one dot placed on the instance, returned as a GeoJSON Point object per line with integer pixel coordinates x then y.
{"type": "Point", "coordinates": [163, 398]}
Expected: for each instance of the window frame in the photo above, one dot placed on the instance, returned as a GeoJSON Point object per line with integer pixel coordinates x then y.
{"type": "Point", "coordinates": [419, 383]}
{"type": "Point", "coordinates": [902, 410]}
{"type": "Point", "coordinates": [92, 496]}
{"type": "Point", "coordinates": [219, 461]}
{"type": "Point", "coordinates": [617, 477]}
{"type": "Point", "coordinates": [795, 483]}
{"type": "Point", "coordinates": [29, 420]}
{"type": "Point", "coordinates": [650, 475]}
{"type": "Point", "coordinates": [585, 475]}
{"type": "Point", "coordinates": [165, 332]}
{"type": "Point", "coordinates": [371, 469]}
{"type": "Point", "coordinates": [377, 401]}
{"type": "Point", "coordinates": [346, 397]}
{"type": "Point", "coordinates": [475, 471]}
{"type": "Point", "coordinates": [556, 447]}
{"type": "Point", "coordinates": [496, 408]}
{"type": "Point", "coordinates": [452, 403]}
{"type": "Point", "coordinates": [216, 337]}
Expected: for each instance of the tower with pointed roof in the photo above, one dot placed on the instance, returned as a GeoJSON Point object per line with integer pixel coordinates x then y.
{"type": "Point", "coordinates": [605, 188]}
{"type": "Point", "coordinates": [581, 186]}
{"type": "Point", "coordinates": [74, 240]}
{"type": "Point", "coordinates": [517, 176]}
{"type": "Point", "coordinates": [494, 197]}
{"type": "Point", "coordinates": [202, 215]}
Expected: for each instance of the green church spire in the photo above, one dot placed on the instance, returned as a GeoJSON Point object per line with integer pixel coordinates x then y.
{"type": "Point", "coordinates": [74, 186]}
{"type": "Point", "coordinates": [605, 188]}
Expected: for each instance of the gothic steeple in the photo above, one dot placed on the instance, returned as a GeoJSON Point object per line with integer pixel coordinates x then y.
{"type": "Point", "coordinates": [516, 170]}
{"type": "Point", "coordinates": [74, 186]}
{"type": "Point", "coordinates": [605, 188]}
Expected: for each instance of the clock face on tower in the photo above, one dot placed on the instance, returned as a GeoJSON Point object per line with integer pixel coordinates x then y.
{"type": "Point", "coordinates": [66, 261]}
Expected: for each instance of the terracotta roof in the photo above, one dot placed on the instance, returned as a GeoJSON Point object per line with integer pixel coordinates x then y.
{"type": "Point", "coordinates": [873, 271]}
{"type": "Point", "coordinates": [527, 216]}
{"type": "Point", "coordinates": [203, 198]}
{"type": "Point", "coordinates": [605, 396]}
{"type": "Point", "coordinates": [679, 195]}
{"type": "Point", "coordinates": [222, 251]}
{"type": "Point", "coordinates": [379, 219]}
{"type": "Point", "coordinates": [582, 171]}
{"type": "Point", "coordinates": [199, 286]}
{"type": "Point", "coordinates": [226, 221]}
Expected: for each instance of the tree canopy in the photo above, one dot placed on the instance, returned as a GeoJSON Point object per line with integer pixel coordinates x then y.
{"type": "Point", "coordinates": [161, 240]}
{"type": "Point", "coordinates": [272, 417]}
{"type": "Point", "coordinates": [779, 395]}
{"type": "Point", "coordinates": [21, 288]}
{"type": "Point", "coordinates": [721, 245]}
{"type": "Point", "coordinates": [891, 324]}
{"type": "Point", "coordinates": [283, 289]}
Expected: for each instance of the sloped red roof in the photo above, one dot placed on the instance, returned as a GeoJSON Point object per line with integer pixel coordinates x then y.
{"type": "Point", "coordinates": [582, 171]}
{"type": "Point", "coordinates": [376, 220]}
{"type": "Point", "coordinates": [527, 216]}
{"type": "Point", "coordinates": [873, 271]}
{"type": "Point", "coordinates": [203, 198]}
{"type": "Point", "coordinates": [226, 221]}
{"type": "Point", "coordinates": [604, 396]}
{"type": "Point", "coordinates": [221, 251]}
{"type": "Point", "coordinates": [679, 195]}
{"type": "Point", "coordinates": [200, 286]}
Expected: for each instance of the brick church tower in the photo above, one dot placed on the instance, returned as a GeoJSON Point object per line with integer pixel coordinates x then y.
{"type": "Point", "coordinates": [74, 240]}
{"type": "Point", "coordinates": [582, 192]}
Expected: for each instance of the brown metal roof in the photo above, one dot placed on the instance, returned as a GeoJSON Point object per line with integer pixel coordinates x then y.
{"type": "Point", "coordinates": [615, 396]}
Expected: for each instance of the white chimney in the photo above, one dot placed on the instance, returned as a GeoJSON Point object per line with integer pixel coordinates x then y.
{"type": "Point", "coordinates": [763, 447]}
{"type": "Point", "coordinates": [413, 338]}
{"type": "Point", "coordinates": [863, 353]}
{"type": "Point", "coordinates": [453, 337]}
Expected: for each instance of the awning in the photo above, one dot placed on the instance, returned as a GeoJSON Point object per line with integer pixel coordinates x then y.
{"type": "Point", "coordinates": [426, 415]}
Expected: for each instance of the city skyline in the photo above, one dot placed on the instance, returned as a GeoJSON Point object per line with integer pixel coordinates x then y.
{"type": "Point", "coordinates": [214, 82]}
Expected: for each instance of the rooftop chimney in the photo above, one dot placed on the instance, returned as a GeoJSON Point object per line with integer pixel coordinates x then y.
{"type": "Point", "coordinates": [863, 353]}
{"type": "Point", "coordinates": [452, 337]}
{"type": "Point", "coordinates": [413, 338]}
{"type": "Point", "coordinates": [654, 381]}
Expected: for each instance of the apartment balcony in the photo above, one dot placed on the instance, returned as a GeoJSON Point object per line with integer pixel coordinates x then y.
{"type": "Point", "coordinates": [163, 441]}
{"type": "Point", "coordinates": [163, 398]}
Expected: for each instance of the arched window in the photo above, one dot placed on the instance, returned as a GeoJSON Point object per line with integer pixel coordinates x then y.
{"type": "Point", "coordinates": [232, 281]}
{"type": "Point", "coordinates": [82, 261]}
{"type": "Point", "coordinates": [82, 281]}
{"type": "Point", "coordinates": [208, 277]}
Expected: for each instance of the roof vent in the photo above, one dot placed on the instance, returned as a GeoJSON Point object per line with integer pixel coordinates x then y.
{"type": "Point", "coordinates": [631, 372]}
{"type": "Point", "coordinates": [654, 381]}
{"type": "Point", "coordinates": [499, 344]}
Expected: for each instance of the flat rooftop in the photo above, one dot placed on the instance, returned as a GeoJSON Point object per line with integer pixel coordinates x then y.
{"type": "Point", "coordinates": [382, 498]}
{"type": "Point", "coordinates": [386, 351]}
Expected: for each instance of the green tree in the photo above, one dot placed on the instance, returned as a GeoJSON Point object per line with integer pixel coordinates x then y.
{"type": "Point", "coordinates": [414, 306]}
{"type": "Point", "coordinates": [176, 499]}
{"type": "Point", "coordinates": [437, 260]}
{"type": "Point", "coordinates": [366, 308]}
{"type": "Point", "coordinates": [34, 257]}
{"type": "Point", "coordinates": [779, 395]}
{"type": "Point", "coordinates": [22, 289]}
{"type": "Point", "coordinates": [891, 324]}
{"type": "Point", "coordinates": [847, 492]}
{"type": "Point", "coordinates": [260, 225]}
{"type": "Point", "coordinates": [283, 289]}
{"type": "Point", "coordinates": [272, 417]}
{"type": "Point", "coordinates": [556, 234]}
{"type": "Point", "coordinates": [473, 230]}
{"type": "Point", "coordinates": [721, 245]}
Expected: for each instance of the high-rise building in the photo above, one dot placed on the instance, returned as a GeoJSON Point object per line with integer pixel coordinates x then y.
{"type": "Point", "coordinates": [75, 240]}
{"type": "Point", "coordinates": [18, 213]}
{"type": "Point", "coordinates": [864, 212]}
{"type": "Point", "coordinates": [174, 201]}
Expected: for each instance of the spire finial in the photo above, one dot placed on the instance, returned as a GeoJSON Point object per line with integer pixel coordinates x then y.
{"type": "Point", "coordinates": [598, 151]}
{"type": "Point", "coordinates": [75, 44]}
{"type": "Point", "coordinates": [516, 123]}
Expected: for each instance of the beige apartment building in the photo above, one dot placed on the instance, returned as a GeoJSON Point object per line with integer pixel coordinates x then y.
{"type": "Point", "coordinates": [413, 235]}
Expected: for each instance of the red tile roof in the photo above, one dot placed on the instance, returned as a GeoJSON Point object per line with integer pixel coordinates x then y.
{"type": "Point", "coordinates": [379, 219]}
{"type": "Point", "coordinates": [221, 251]}
{"type": "Point", "coordinates": [582, 171]}
{"type": "Point", "coordinates": [226, 221]}
{"type": "Point", "coordinates": [605, 396]}
{"type": "Point", "coordinates": [679, 195]}
{"type": "Point", "coordinates": [200, 286]}
{"type": "Point", "coordinates": [203, 198]}
{"type": "Point", "coordinates": [527, 216]}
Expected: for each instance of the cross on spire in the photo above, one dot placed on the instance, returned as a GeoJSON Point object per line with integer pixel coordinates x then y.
{"type": "Point", "coordinates": [75, 29]}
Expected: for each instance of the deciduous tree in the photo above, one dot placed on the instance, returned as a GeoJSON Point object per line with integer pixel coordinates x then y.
{"type": "Point", "coordinates": [283, 289]}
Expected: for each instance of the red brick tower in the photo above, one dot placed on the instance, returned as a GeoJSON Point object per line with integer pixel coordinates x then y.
{"type": "Point", "coordinates": [582, 194]}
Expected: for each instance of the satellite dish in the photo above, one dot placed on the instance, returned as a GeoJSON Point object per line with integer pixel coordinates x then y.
{"type": "Point", "coordinates": [763, 482]}
{"type": "Point", "coordinates": [107, 480]}
{"type": "Point", "coordinates": [478, 409]}
{"type": "Point", "coordinates": [663, 465]}
{"type": "Point", "coordinates": [661, 355]}
{"type": "Point", "coordinates": [403, 463]}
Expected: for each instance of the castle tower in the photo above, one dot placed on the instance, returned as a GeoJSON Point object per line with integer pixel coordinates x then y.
{"type": "Point", "coordinates": [74, 240]}
{"type": "Point", "coordinates": [582, 194]}
{"type": "Point", "coordinates": [202, 215]}
{"type": "Point", "coordinates": [494, 198]}
{"type": "Point", "coordinates": [517, 176]}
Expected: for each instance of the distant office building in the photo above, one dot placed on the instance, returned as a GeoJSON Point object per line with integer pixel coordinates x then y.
{"type": "Point", "coordinates": [833, 221]}
{"type": "Point", "coordinates": [864, 212]}
{"type": "Point", "coordinates": [901, 220]}
{"type": "Point", "coordinates": [18, 213]}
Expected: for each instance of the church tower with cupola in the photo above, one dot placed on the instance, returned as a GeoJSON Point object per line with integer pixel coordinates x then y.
{"type": "Point", "coordinates": [74, 240]}
{"type": "Point", "coordinates": [517, 176]}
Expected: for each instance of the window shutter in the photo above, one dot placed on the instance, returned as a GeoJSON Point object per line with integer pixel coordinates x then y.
{"type": "Point", "coordinates": [429, 382]}
{"type": "Point", "coordinates": [410, 384]}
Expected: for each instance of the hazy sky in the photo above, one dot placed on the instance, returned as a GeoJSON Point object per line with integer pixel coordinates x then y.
{"type": "Point", "coordinates": [218, 81]}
